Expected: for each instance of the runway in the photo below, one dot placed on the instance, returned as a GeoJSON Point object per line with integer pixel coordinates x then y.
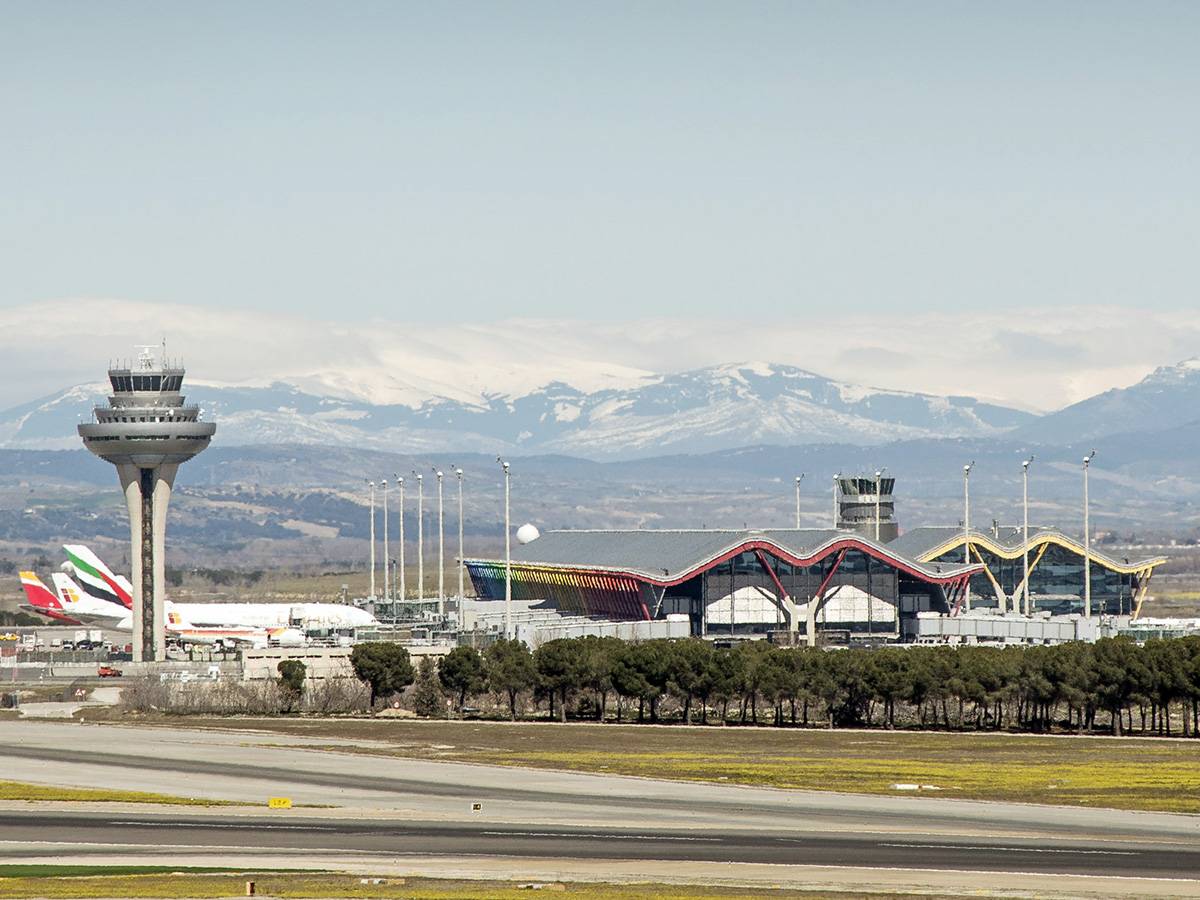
{"type": "Point", "coordinates": [177, 835]}
{"type": "Point", "coordinates": [450, 817]}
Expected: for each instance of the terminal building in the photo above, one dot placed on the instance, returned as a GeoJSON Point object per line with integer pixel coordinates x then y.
{"type": "Point", "coordinates": [730, 582]}
{"type": "Point", "coordinates": [1056, 570]}
{"type": "Point", "coordinates": [930, 583]}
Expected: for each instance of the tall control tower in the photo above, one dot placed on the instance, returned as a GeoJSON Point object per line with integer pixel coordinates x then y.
{"type": "Point", "coordinates": [146, 432]}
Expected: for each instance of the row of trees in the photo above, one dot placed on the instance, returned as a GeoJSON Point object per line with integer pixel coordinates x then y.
{"type": "Point", "coordinates": [1074, 686]}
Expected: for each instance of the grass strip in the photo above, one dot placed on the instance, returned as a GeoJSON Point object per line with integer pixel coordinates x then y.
{"type": "Point", "coordinates": [54, 870]}
{"type": "Point", "coordinates": [20, 790]}
{"type": "Point", "coordinates": [1129, 773]}
{"type": "Point", "coordinates": [180, 883]}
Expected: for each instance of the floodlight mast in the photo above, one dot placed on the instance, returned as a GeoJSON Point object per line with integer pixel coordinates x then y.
{"type": "Point", "coordinates": [1025, 529]}
{"type": "Point", "coordinates": [372, 506]}
{"type": "Point", "coordinates": [508, 632]}
{"type": "Point", "coordinates": [420, 536]}
{"type": "Point", "coordinates": [458, 473]}
{"type": "Point", "coordinates": [387, 559]}
{"type": "Point", "coordinates": [835, 500]}
{"type": "Point", "coordinates": [400, 585]}
{"type": "Point", "coordinates": [799, 478]}
{"type": "Point", "coordinates": [1087, 540]}
{"type": "Point", "coordinates": [441, 549]}
{"type": "Point", "coordinates": [967, 526]}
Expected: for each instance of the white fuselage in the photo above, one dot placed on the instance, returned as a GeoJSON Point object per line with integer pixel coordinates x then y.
{"type": "Point", "coordinates": [272, 615]}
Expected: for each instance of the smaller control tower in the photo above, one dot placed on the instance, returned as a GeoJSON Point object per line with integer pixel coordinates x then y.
{"type": "Point", "coordinates": [858, 506]}
{"type": "Point", "coordinates": [146, 432]}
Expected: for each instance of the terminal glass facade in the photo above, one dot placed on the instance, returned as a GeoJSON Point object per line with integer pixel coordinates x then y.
{"type": "Point", "coordinates": [1056, 582]}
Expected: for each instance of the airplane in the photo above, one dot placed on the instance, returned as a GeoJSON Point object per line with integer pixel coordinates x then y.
{"type": "Point", "coordinates": [180, 629]}
{"type": "Point", "coordinates": [96, 576]}
{"type": "Point", "coordinates": [74, 606]}
{"type": "Point", "coordinates": [83, 606]}
{"type": "Point", "coordinates": [92, 571]}
{"type": "Point", "coordinates": [42, 601]}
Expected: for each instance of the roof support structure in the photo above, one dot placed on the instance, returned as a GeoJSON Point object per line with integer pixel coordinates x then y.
{"type": "Point", "coordinates": [783, 600]}
{"type": "Point", "coordinates": [1028, 574]}
{"type": "Point", "coordinates": [818, 600]}
{"type": "Point", "coordinates": [1143, 588]}
{"type": "Point", "coordinates": [1001, 597]}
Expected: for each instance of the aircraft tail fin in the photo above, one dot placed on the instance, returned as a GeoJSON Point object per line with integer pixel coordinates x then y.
{"type": "Point", "coordinates": [68, 592]}
{"type": "Point", "coordinates": [97, 578]}
{"type": "Point", "coordinates": [42, 600]}
{"type": "Point", "coordinates": [38, 595]}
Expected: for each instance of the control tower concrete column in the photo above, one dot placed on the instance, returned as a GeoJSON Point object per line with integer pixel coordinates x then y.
{"type": "Point", "coordinates": [147, 494]}
{"type": "Point", "coordinates": [146, 431]}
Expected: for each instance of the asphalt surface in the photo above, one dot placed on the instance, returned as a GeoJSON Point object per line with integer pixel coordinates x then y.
{"type": "Point", "coordinates": [174, 835]}
{"type": "Point", "coordinates": [390, 809]}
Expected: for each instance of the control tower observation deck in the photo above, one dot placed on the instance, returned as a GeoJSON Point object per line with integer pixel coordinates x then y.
{"type": "Point", "coordinates": [146, 431]}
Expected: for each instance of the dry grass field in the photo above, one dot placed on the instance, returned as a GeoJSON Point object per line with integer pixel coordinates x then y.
{"type": "Point", "coordinates": [70, 883]}
{"type": "Point", "coordinates": [1076, 771]}
{"type": "Point", "coordinates": [19, 790]}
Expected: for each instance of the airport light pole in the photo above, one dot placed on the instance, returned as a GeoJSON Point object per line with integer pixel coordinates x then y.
{"type": "Point", "coordinates": [1087, 540]}
{"type": "Point", "coordinates": [372, 486]}
{"type": "Point", "coordinates": [441, 549]}
{"type": "Point", "coordinates": [1025, 528]}
{"type": "Point", "coordinates": [400, 586]}
{"type": "Point", "coordinates": [458, 473]}
{"type": "Point", "coordinates": [387, 559]}
{"type": "Point", "coordinates": [507, 555]}
{"type": "Point", "coordinates": [420, 537]}
{"type": "Point", "coordinates": [878, 485]}
{"type": "Point", "coordinates": [967, 525]}
{"type": "Point", "coordinates": [799, 478]}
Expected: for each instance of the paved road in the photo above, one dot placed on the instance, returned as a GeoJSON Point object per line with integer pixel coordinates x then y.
{"type": "Point", "coordinates": [174, 836]}
{"type": "Point", "coordinates": [388, 809]}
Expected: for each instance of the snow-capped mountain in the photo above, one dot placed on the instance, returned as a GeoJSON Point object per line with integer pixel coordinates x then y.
{"type": "Point", "coordinates": [1166, 398]}
{"type": "Point", "coordinates": [702, 410]}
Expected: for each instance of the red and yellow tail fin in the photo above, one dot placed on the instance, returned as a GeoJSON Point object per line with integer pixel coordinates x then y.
{"type": "Point", "coordinates": [38, 595]}
{"type": "Point", "coordinates": [41, 600]}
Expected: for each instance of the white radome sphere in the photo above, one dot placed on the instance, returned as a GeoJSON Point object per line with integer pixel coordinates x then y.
{"type": "Point", "coordinates": [527, 534]}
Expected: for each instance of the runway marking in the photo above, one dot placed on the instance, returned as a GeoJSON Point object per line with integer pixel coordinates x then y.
{"type": "Point", "coordinates": [256, 826]}
{"type": "Point", "coordinates": [610, 837]}
{"type": "Point", "coordinates": [1014, 849]}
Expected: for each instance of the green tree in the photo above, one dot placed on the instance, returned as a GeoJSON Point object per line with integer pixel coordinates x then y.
{"type": "Point", "coordinates": [628, 679]}
{"type": "Point", "coordinates": [291, 682]}
{"type": "Point", "coordinates": [427, 697]}
{"type": "Point", "coordinates": [1119, 674]}
{"type": "Point", "coordinates": [754, 657]}
{"type": "Point", "coordinates": [561, 668]}
{"type": "Point", "coordinates": [689, 673]}
{"type": "Point", "coordinates": [510, 671]}
{"type": "Point", "coordinates": [383, 666]}
{"type": "Point", "coordinates": [462, 673]}
{"type": "Point", "coordinates": [888, 675]}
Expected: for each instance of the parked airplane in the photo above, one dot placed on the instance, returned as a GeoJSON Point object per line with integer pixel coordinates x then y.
{"type": "Point", "coordinates": [83, 606]}
{"type": "Point", "coordinates": [179, 628]}
{"type": "Point", "coordinates": [258, 615]}
{"type": "Point", "coordinates": [99, 580]}
{"type": "Point", "coordinates": [74, 606]}
{"type": "Point", "coordinates": [42, 601]}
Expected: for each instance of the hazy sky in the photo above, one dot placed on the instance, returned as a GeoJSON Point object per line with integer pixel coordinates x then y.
{"type": "Point", "coordinates": [753, 163]}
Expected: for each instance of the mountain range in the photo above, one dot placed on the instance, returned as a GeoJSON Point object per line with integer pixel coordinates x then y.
{"type": "Point", "coordinates": [701, 411]}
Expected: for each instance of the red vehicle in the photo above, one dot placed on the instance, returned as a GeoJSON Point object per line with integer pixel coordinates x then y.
{"type": "Point", "coordinates": [108, 672]}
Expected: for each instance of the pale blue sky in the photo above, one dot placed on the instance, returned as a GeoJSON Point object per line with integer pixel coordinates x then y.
{"type": "Point", "coordinates": [459, 161]}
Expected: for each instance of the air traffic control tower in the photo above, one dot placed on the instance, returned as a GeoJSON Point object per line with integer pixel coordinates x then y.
{"type": "Point", "coordinates": [146, 432]}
